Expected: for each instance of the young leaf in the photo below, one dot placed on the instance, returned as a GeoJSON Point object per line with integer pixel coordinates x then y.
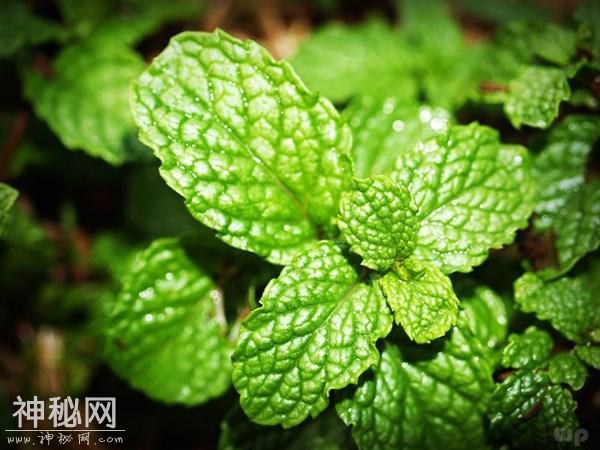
{"type": "Point", "coordinates": [8, 196]}
{"type": "Point", "coordinates": [526, 409]}
{"type": "Point", "coordinates": [422, 299]}
{"type": "Point", "coordinates": [314, 332]}
{"type": "Point", "coordinates": [566, 368]}
{"type": "Point", "coordinates": [529, 349]}
{"type": "Point", "coordinates": [577, 226]}
{"type": "Point", "coordinates": [472, 194]}
{"type": "Point", "coordinates": [384, 127]}
{"type": "Point", "coordinates": [165, 332]}
{"type": "Point", "coordinates": [560, 168]}
{"type": "Point", "coordinates": [534, 96]}
{"type": "Point", "coordinates": [423, 398]}
{"type": "Point", "coordinates": [256, 155]}
{"type": "Point", "coordinates": [568, 303]}
{"type": "Point", "coordinates": [370, 58]}
{"type": "Point", "coordinates": [378, 220]}
{"type": "Point", "coordinates": [86, 101]}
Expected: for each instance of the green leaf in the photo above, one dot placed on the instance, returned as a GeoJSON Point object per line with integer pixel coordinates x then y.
{"type": "Point", "coordinates": [165, 332]}
{"type": "Point", "coordinates": [326, 432]}
{"type": "Point", "coordinates": [86, 101]}
{"type": "Point", "coordinates": [426, 397]}
{"type": "Point", "coordinates": [535, 95]}
{"type": "Point", "coordinates": [553, 42]}
{"type": "Point", "coordinates": [422, 299]}
{"type": "Point", "coordinates": [526, 409]}
{"type": "Point", "coordinates": [255, 155]}
{"type": "Point", "coordinates": [384, 127]}
{"type": "Point", "coordinates": [590, 354]}
{"type": "Point", "coordinates": [314, 332]}
{"type": "Point", "coordinates": [530, 349]}
{"type": "Point", "coordinates": [8, 196]}
{"type": "Point", "coordinates": [568, 303]}
{"type": "Point", "coordinates": [370, 58]}
{"type": "Point", "coordinates": [566, 368]}
{"type": "Point", "coordinates": [472, 193]}
{"type": "Point", "coordinates": [578, 226]}
{"type": "Point", "coordinates": [485, 315]}
{"type": "Point", "coordinates": [378, 220]}
{"type": "Point", "coordinates": [560, 168]}
{"type": "Point", "coordinates": [20, 28]}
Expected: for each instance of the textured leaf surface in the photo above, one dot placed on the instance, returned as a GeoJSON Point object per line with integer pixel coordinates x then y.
{"type": "Point", "coordinates": [568, 303]}
{"type": "Point", "coordinates": [529, 349]}
{"type": "Point", "coordinates": [369, 58]}
{"type": "Point", "coordinates": [526, 410]}
{"type": "Point", "coordinates": [422, 398]}
{"type": "Point", "coordinates": [578, 226]}
{"type": "Point", "coordinates": [8, 196]}
{"type": "Point", "coordinates": [534, 96]}
{"type": "Point", "coordinates": [382, 128]}
{"type": "Point", "coordinates": [422, 299]}
{"type": "Point", "coordinates": [590, 354]}
{"type": "Point", "coordinates": [165, 333]}
{"type": "Point", "coordinates": [315, 332]}
{"type": "Point", "coordinates": [566, 368]}
{"type": "Point", "coordinates": [560, 168]}
{"type": "Point", "coordinates": [255, 155]}
{"type": "Point", "coordinates": [378, 220]}
{"type": "Point", "coordinates": [19, 27]}
{"type": "Point", "coordinates": [86, 101]}
{"type": "Point", "coordinates": [472, 194]}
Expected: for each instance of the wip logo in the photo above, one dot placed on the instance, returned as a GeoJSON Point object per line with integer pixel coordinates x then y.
{"type": "Point", "coordinates": [568, 435]}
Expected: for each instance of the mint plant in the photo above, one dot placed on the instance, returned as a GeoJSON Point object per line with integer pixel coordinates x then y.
{"type": "Point", "coordinates": [390, 241]}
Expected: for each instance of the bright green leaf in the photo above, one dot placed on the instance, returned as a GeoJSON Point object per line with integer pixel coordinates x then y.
{"type": "Point", "coordinates": [86, 101]}
{"type": "Point", "coordinates": [165, 331]}
{"type": "Point", "coordinates": [426, 397]}
{"type": "Point", "coordinates": [535, 95]}
{"type": "Point", "coordinates": [378, 220]}
{"type": "Point", "coordinates": [255, 155]}
{"type": "Point", "coordinates": [566, 368]}
{"type": "Point", "coordinates": [384, 127]}
{"type": "Point", "coordinates": [568, 303]}
{"type": "Point", "coordinates": [530, 349]}
{"type": "Point", "coordinates": [8, 196]}
{"type": "Point", "coordinates": [578, 226]}
{"type": "Point", "coordinates": [472, 194]}
{"type": "Point", "coordinates": [314, 332]}
{"type": "Point", "coordinates": [422, 299]}
{"type": "Point", "coordinates": [526, 410]}
{"type": "Point", "coordinates": [560, 168]}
